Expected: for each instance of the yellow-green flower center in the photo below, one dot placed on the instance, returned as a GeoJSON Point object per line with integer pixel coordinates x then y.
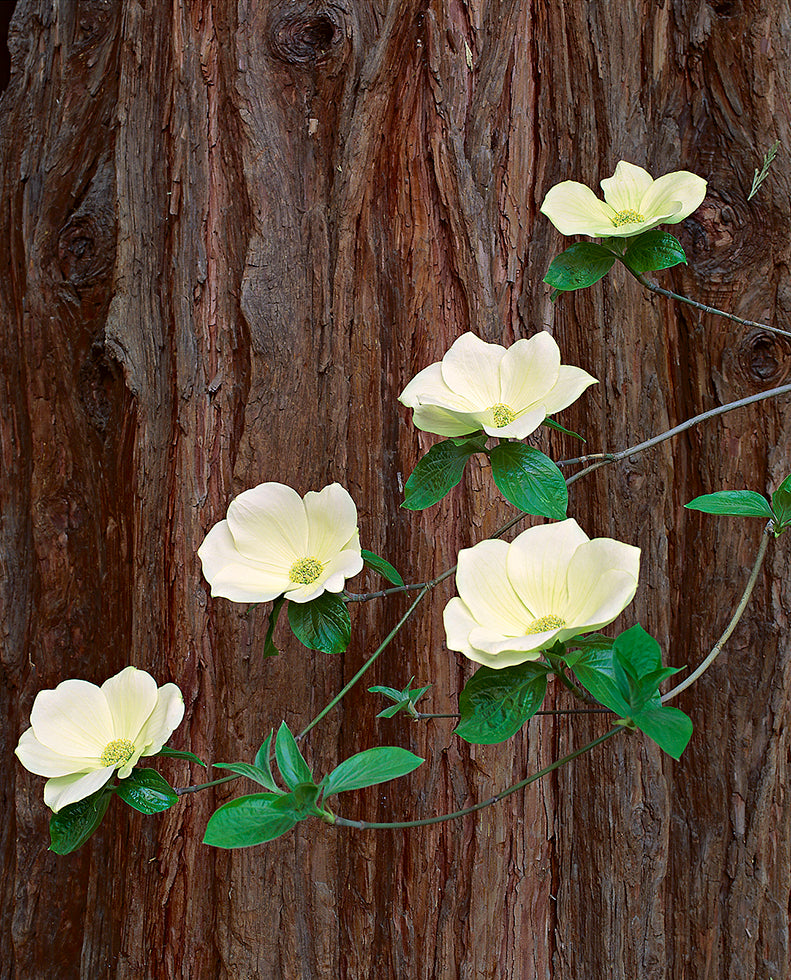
{"type": "Point", "coordinates": [503, 415]}
{"type": "Point", "coordinates": [545, 623]}
{"type": "Point", "coordinates": [627, 217]}
{"type": "Point", "coordinates": [117, 752]}
{"type": "Point", "coordinates": [305, 571]}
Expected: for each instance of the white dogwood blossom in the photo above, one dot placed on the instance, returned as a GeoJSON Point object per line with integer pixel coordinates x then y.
{"type": "Point", "coordinates": [507, 392]}
{"type": "Point", "coordinates": [274, 543]}
{"type": "Point", "coordinates": [633, 203]}
{"type": "Point", "coordinates": [551, 583]}
{"type": "Point", "coordinates": [81, 734]}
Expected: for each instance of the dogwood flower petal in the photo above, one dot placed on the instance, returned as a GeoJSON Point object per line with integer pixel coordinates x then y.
{"type": "Point", "coordinates": [486, 590]}
{"type": "Point", "coordinates": [63, 790]}
{"type": "Point", "coordinates": [269, 523]}
{"type": "Point", "coordinates": [627, 187]}
{"type": "Point", "coordinates": [537, 565]}
{"type": "Point", "coordinates": [332, 522]}
{"type": "Point", "coordinates": [677, 195]}
{"type": "Point", "coordinates": [73, 719]}
{"type": "Point", "coordinates": [472, 366]}
{"type": "Point", "coordinates": [574, 209]}
{"type": "Point", "coordinates": [529, 370]}
{"type": "Point", "coordinates": [571, 383]}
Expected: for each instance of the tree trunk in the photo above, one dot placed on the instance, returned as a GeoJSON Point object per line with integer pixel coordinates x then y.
{"type": "Point", "coordinates": [232, 232]}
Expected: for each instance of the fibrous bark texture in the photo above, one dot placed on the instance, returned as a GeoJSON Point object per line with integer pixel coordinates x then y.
{"type": "Point", "coordinates": [232, 231]}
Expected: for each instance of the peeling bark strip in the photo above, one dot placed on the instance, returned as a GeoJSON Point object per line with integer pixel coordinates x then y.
{"type": "Point", "coordinates": [233, 230]}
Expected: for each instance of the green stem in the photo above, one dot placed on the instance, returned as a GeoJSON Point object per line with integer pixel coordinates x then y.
{"type": "Point", "coordinates": [737, 615]}
{"type": "Point", "coordinates": [183, 790]}
{"type": "Point", "coordinates": [365, 825]}
{"type": "Point", "coordinates": [706, 309]}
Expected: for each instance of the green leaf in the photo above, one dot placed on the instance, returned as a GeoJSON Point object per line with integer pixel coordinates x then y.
{"type": "Point", "coordinates": [261, 760]}
{"type": "Point", "coordinates": [579, 266]}
{"type": "Point", "coordinates": [389, 692]}
{"type": "Point", "coordinates": [438, 472]}
{"type": "Point", "coordinates": [247, 821]}
{"type": "Point", "coordinates": [260, 776]}
{"type": "Point", "coordinates": [529, 480]}
{"type": "Point", "coordinates": [781, 503]}
{"type": "Point", "coordinates": [70, 827]}
{"type": "Point", "coordinates": [145, 790]}
{"type": "Point", "coordinates": [290, 760]}
{"type": "Point", "coordinates": [496, 703]}
{"type": "Point", "coordinates": [739, 503]}
{"type": "Point", "coordinates": [596, 673]}
{"type": "Point", "coordinates": [384, 568]}
{"type": "Point", "coordinates": [321, 624]}
{"type": "Point", "coordinates": [637, 651]}
{"type": "Point", "coordinates": [405, 699]}
{"type": "Point", "coordinates": [179, 754]}
{"type": "Point", "coordinates": [653, 250]}
{"type": "Point", "coordinates": [369, 768]}
{"type": "Point", "coordinates": [270, 650]}
{"type": "Point", "coordinates": [556, 425]}
{"type": "Point", "coordinates": [670, 728]}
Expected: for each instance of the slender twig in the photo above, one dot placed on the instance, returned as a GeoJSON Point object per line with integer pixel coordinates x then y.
{"type": "Point", "coordinates": [365, 596]}
{"type": "Point", "coordinates": [183, 790]}
{"type": "Point", "coordinates": [706, 309]}
{"type": "Point", "coordinates": [426, 716]}
{"type": "Point", "coordinates": [737, 615]}
{"type": "Point", "coordinates": [678, 429]}
{"type": "Point", "coordinates": [365, 825]}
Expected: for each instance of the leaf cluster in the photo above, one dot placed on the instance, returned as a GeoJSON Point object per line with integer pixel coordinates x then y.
{"type": "Point", "coordinates": [260, 817]}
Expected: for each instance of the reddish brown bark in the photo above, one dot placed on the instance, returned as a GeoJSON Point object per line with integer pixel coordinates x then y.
{"type": "Point", "coordinates": [233, 232]}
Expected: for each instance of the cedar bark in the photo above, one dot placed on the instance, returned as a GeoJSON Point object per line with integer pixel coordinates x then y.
{"type": "Point", "coordinates": [232, 232]}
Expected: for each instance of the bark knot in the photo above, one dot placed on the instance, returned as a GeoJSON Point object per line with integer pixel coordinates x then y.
{"type": "Point", "coordinates": [306, 35]}
{"type": "Point", "coordinates": [764, 358]}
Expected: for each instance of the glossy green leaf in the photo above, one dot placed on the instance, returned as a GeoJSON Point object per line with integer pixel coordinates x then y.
{"type": "Point", "coordinates": [370, 767]}
{"type": "Point", "coordinates": [496, 703]}
{"type": "Point", "coordinates": [579, 266]}
{"type": "Point", "coordinates": [384, 568]}
{"type": "Point", "coordinates": [147, 791]}
{"type": "Point", "coordinates": [741, 503]}
{"type": "Point", "coordinates": [781, 503]}
{"type": "Point", "coordinates": [258, 775]}
{"type": "Point", "coordinates": [637, 651]}
{"type": "Point", "coordinates": [290, 760]}
{"type": "Point", "coordinates": [262, 762]}
{"type": "Point", "coordinates": [179, 754]}
{"type": "Point", "coordinates": [596, 673]}
{"type": "Point", "coordinates": [529, 480]}
{"type": "Point", "coordinates": [654, 250]}
{"type": "Point", "coordinates": [270, 650]}
{"type": "Point", "coordinates": [321, 624]}
{"type": "Point", "coordinates": [670, 728]}
{"type": "Point", "coordinates": [438, 472]}
{"type": "Point", "coordinates": [247, 821]}
{"type": "Point", "coordinates": [71, 827]}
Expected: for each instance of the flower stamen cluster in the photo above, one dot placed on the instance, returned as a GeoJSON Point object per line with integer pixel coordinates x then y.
{"type": "Point", "coordinates": [117, 752]}
{"type": "Point", "coordinates": [627, 217]}
{"type": "Point", "coordinates": [305, 571]}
